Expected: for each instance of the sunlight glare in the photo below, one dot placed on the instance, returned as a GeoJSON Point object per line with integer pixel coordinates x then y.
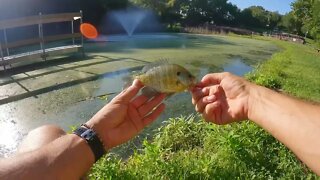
{"type": "Point", "coordinates": [89, 31]}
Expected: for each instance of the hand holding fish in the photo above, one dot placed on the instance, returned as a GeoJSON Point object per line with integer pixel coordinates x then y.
{"type": "Point", "coordinates": [126, 115]}
{"type": "Point", "coordinates": [222, 98]}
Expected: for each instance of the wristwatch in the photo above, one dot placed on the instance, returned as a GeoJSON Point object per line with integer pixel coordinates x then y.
{"type": "Point", "coordinates": [92, 140]}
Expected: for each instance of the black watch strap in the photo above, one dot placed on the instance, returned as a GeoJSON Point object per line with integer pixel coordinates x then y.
{"type": "Point", "coordinates": [92, 139]}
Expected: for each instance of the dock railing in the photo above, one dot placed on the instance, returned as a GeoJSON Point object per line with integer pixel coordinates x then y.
{"type": "Point", "coordinates": [7, 58]}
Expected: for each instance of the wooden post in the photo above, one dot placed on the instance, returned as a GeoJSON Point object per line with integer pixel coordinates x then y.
{"type": "Point", "coordinates": [41, 37]}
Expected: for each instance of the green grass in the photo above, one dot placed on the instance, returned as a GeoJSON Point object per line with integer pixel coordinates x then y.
{"type": "Point", "coordinates": [296, 71]}
{"type": "Point", "coordinates": [189, 148]}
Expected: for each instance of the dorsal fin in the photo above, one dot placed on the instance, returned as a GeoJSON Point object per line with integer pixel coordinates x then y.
{"type": "Point", "coordinates": [157, 63]}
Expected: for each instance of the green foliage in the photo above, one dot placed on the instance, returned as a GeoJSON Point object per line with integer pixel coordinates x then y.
{"type": "Point", "coordinates": [189, 148]}
{"type": "Point", "coordinates": [174, 27]}
{"type": "Point", "coordinates": [270, 73]}
{"type": "Point", "coordinates": [94, 11]}
{"type": "Point", "coordinates": [308, 13]}
{"type": "Point", "coordinates": [195, 12]}
{"type": "Point", "coordinates": [290, 23]}
{"type": "Point", "coordinates": [257, 17]}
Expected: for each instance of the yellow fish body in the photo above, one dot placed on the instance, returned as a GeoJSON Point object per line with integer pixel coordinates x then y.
{"type": "Point", "coordinates": [166, 78]}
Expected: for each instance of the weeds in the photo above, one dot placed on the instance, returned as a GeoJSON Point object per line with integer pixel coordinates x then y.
{"type": "Point", "coordinates": [192, 149]}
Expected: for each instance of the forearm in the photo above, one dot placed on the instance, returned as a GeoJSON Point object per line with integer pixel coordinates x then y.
{"type": "Point", "coordinates": [294, 123]}
{"type": "Point", "coordinates": [68, 157]}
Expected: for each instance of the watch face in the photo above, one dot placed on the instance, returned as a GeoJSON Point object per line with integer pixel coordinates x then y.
{"type": "Point", "coordinates": [88, 134]}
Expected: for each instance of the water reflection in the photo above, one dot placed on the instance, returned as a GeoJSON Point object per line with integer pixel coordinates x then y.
{"type": "Point", "coordinates": [9, 138]}
{"type": "Point", "coordinates": [238, 67]}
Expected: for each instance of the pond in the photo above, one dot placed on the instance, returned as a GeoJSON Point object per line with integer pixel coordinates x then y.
{"type": "Point", "coordinates": [63, 90]}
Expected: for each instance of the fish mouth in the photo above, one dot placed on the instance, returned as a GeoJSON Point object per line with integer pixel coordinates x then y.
{"type": "Point", "coordinates": [193, 81]}
{"type": "Point", "coordinates": [192, 84]}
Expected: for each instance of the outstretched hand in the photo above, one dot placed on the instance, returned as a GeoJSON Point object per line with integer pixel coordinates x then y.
{"type": "Point", "coordinates": [222, 98]}
{"type": "Point", "coordinates": [126, 115]}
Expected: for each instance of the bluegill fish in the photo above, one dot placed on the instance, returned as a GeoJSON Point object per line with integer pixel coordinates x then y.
{"type": "Point", "coordinates": [166, 78]}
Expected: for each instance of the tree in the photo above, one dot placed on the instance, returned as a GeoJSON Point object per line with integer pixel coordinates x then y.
{"type": "Point", "coordinates": [254, 17]}
{"type": "Point", "coordinates": [195, 12]}
{"type": "Point", "coordinates": [274, 19]}
{"type": "Point", "coordinates": [308, 12]}
{"type": "Point", "coordinates": [95, 10]}
{"type": "Point", "coordinates": [290, 23]}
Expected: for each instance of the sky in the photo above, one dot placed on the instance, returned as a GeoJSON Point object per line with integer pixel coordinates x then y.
{"type": "Point", "coordinates": [282, 6]}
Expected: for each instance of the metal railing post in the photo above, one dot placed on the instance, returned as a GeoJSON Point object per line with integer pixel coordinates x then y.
{"type": "Point", "coordinates": [41, 37]}
{"type": "Point", "coordinates": [81, 21]}
{"type": "Point", "coordinates": [2, 58]}
{"type": "Point", "coordinates": [72, 30]}
{"type": "Point", "coordinates": [6, 41]}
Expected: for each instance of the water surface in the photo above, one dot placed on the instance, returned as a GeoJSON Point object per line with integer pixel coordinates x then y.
{"type": "Point", "coordinates": [62, 90]}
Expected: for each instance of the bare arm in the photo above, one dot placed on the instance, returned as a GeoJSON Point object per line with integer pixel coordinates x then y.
{"type": "Point", "coordinates": [295, 123]}
{"type": "Point", "coordinates": [224, 98]}
{"type": "Point", "coordinates": [69, 157]}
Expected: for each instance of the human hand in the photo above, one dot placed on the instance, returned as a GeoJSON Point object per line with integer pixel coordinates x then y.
{"type": "Point", "coordinates": [222, 98]}
{"type": "Point", "coordinates": [126, 115]}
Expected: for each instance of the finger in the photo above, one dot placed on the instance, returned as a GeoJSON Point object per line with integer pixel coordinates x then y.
{"type": "Point", "coordinates": [212, 112]}
{"type": "Point", "coordinates": [198, 94]}
{"type": "Point", "coordinates": [213, 79]}
{"type": "Point", "coordinates": [129, 93]}
{"type": "Point", "coordinates": [215, 90]}
{"type": "Point", "coordinates": [203, 102]}
{"type": "Point", "coordinates": [138, 101]}
{"type": "Point", "coordinates": [149, 106]}
{"type": "Point", "coordinates": [154, 115]}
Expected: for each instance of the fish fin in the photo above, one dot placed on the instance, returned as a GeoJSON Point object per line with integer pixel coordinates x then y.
{"type": "Point", "coordinates": [163, 61]}
{"type": "Point", "coordinates": [129, 78]}
{"type": "Point", "coordinates": [127, 81]}
{"type": "Point", "coordinates": [105, 96]}
{"type": "Point", "coordinates": [149, 92]}
{"type": "Point", "coordinates": [169, 95]}
{"type": "Point", "coordinates": [154, 64]}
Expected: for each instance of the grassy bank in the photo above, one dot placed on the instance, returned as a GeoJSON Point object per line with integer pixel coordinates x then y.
{"type": "Point", "coordinates": [189, 148]}
{"type": "Point", "coordinates": [295, 70]}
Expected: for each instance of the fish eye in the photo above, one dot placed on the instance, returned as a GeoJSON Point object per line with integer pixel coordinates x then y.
{"type": "Point", "coordinates": [190, 76]}
{"type": "Point", "coordinates": [178, 73]}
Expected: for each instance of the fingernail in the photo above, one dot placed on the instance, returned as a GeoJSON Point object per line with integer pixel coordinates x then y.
{"type": "Point", "coordinates": [211, 99]}
{"type": "Point", "coordinates": [205, 90]}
